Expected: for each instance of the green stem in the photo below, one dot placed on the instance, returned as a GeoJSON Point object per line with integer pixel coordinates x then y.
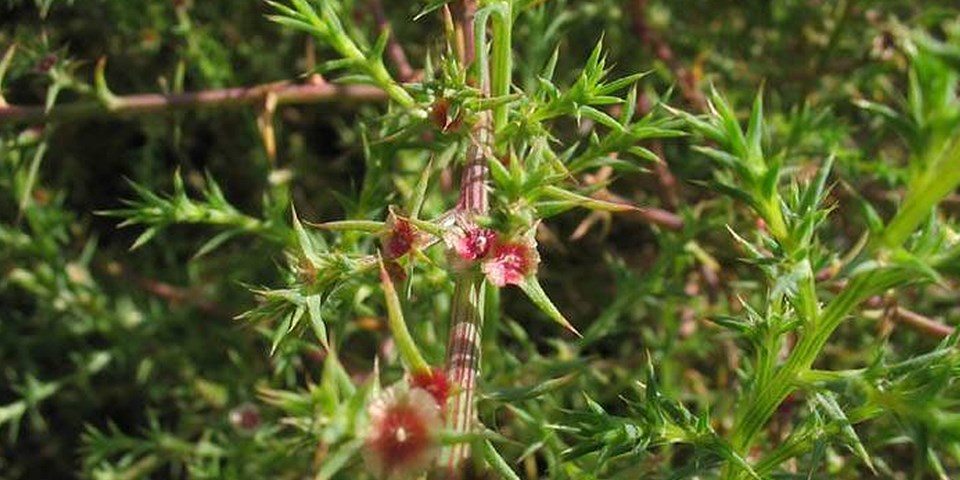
{"type": "Point", "coordinates": [335, 35]}
{"type": "Point", "coordinates": [502, 62]}
{"type": "Point", "coordinates": [938, 183]}
{"type": "Point", "coordinates": [463, 364]}
{"type": "Point", "coordinates": [382, 78]}
{"type": "Point", "coordinates": [767, 396]}
{"type": "Point", "coordinates": [776, 224]}
{"type": "Point", "coordinates": [765, 399]}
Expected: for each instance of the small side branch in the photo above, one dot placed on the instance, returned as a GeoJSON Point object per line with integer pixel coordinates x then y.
{"type": "Point", "coordinates": [141, 104]}
{"type": "Point", "coordinates": [894, 315]}
{"type": "Point", "coordinates": [923, 324]}
{"type": "Point", "coordinates": [466, 14]}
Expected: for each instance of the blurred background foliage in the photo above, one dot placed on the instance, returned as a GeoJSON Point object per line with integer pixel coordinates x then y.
{"type": "Point", "coordinates": [123, 364]}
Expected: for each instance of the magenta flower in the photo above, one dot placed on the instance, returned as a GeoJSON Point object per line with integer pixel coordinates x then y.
{"type": "Point", "coordinates": [403, 439]}
{"type": "Point", "coordinates": [475, 243]}
{"type": "Point", "coordinates": [468, 243]}
{"type": "Point", "coordinates": [510, 262]}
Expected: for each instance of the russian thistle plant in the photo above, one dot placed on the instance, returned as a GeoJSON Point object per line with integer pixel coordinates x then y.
{"type": "Point", "coordinates": [753, 329]}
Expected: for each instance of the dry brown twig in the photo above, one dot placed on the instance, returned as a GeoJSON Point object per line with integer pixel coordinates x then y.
{"type": "Point", "coordinates": [285, 93]}
{"type": "Point", "coordinates": [172, 294]}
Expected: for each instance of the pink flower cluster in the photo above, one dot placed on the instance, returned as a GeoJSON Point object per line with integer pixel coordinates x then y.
{"type": "Point", "coordinates": [474, 244]}
{"type": "Point", "coordinates": [503, 262]}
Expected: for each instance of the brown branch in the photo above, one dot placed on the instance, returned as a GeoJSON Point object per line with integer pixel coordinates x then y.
{"type": "Point", "coordinates": [656, 216]}
{"type": "Point", "coordinates": [669, 187]}
{"type": "Point", "coordinates": [141, 104]}
{"type": "Point", "coordinates": [901, 315]}
{"type": "Point", "coordinates": [394, 50]}
{"type": "Point", "coordinates": [921, 323]}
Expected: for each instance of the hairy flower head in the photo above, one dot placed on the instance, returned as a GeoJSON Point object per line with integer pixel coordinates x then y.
{"type": "Point", "coordinates": [473, 243]}
{"type": "Point", "coordinates": [403, 436]}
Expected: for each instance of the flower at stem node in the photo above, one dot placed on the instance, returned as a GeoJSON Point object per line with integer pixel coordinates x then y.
{"type": "Point", "coordinates": [510, 262]}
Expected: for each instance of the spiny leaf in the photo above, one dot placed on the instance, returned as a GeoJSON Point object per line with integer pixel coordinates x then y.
{"type": "Point", "coordinates": [304, 242]}
{"type": "Point", "coordinates": [517, 394]}
{"type": "Point", "coordinates": [531, 286]}
{"type": "Point", "coordinates": [334, 462]}
{"type": "Point", "coordinates": [828, 403]}
{"type": "Point", "coordinates": [496, 462]}
{"type": "Point", "coordinates": [429, 8]}
{"type": "Point", "coordinates": [406, 346]}
{"type": "Point", "coordinates": [587, 202]}
{"type": "Point", "coordinates": [351, 225]}
{"type": "Point", "coordinates": [420, 191]}
{"type": "Point", "coordinates": [754, 136]}
{"type": "Point", "coordinates": [314, 307]}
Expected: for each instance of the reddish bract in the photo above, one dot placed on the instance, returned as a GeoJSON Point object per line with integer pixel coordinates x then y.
{"type": "Point", "coordinates": [510, 262]}
{"type": "Point", "coordinates": [399, 239]}
{"type": "Point", "coordinates": [435, 382]}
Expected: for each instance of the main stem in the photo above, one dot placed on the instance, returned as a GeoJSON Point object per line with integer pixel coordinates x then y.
{"type": "Point", "coordinates": [466, 316]}
{"type": "Point", "coordinates": [466, 320]}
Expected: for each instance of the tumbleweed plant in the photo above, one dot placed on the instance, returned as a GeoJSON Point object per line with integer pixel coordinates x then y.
{"type": "Point", "coordinates": [480, 239]}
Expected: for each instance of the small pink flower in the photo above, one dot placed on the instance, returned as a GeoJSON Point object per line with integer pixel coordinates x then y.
{"type": "Point", "coordinates": [475, 243]}
{"type": "Point", "coordinates": [468, 243]}
{"type": "Point", "coordinates": [403, 438]}
{"type": "Point", "coordinates": [510, 262]}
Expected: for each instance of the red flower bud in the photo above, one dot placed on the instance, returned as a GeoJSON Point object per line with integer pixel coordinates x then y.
{"type": "Point", "coordinates": [440, 114]}
{"type": "Point", "coordinates": [468, 243]}
{"type": "Point", "coordinates": [475, 243]}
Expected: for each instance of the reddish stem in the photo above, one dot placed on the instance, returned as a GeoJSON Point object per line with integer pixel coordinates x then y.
{"type": "Point", "coordinates": [140, 104]}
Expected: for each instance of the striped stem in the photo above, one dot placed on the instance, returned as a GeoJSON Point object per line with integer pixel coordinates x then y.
{"type": "Point", "coordinates": [466, 316]}
{"type": "Point", "coordinates": [466, 319]}
{"type": "Point", "coordinates": [463, 365]}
